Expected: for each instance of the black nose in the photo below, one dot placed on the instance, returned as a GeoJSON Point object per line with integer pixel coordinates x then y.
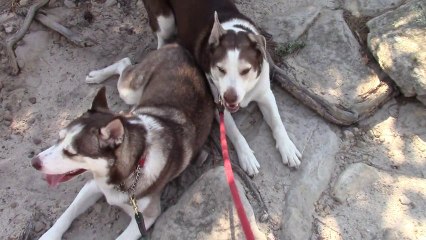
{"type": "Point", "coordinates": [230, 96]}
{"type": "Point", "coordinates": [36, 163]}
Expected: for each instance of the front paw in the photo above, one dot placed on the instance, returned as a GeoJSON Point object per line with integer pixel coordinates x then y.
{"type": "Point", "coordinates": [248, 161]}
{"type": "Point", "coordinates": [51, 234]}
{"type": "Point", "coordinates": [289, 153]}
{"type": "Point", "coordinates": [96, 76]}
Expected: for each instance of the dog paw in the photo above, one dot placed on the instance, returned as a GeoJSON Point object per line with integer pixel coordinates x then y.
{"type": "Point", "coordinates": [289, 153]}
{"type": "Point", "coordinates": [248, 162]}
{"type": "Point", "coordinates": [95, 77]}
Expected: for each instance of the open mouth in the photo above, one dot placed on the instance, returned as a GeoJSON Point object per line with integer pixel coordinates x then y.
{"type": "Point", "coordinates": [232, 107]}
{"type": "Point", "coordinates": [54, 179]}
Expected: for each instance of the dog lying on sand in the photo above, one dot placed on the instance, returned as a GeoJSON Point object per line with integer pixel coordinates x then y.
{"type": "Point", "coordinates": [137, 153]}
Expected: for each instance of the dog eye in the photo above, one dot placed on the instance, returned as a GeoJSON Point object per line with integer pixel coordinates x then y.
{"type": "Point", "coordinates": [245, 71]}
{"type": "Point", "coordinates": [221, 70]}
{"type": "Point", "coordinates": [68, 153]}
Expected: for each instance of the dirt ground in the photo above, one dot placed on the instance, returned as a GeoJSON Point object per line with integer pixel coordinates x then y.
{"type": "Point", "coordinates": [50, 91]}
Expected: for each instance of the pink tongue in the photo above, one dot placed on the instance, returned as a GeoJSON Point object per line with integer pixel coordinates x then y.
{"type": "Point", "coordinates": [54, 179]}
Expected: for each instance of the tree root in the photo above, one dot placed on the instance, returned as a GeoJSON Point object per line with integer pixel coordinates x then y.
{"type": "Point", "coordinates": [73, 37]}
{"type": "Point", "coordinates": [254, 191]}
{"type": "Point", "coordinates": [10, 43]}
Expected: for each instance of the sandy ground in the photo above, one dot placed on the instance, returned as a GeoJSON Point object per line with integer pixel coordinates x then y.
{"type": "Point", "coordinates": [50, 91]}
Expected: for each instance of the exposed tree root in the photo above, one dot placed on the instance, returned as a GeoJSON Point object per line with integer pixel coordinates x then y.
{"type": "Point", "coordinates": [73, 37]}
{"type": "Point", "coordinates": [10, 43]}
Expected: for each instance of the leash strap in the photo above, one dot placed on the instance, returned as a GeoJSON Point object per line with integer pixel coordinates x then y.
{"type": "Point", "coordinates": [138, 216]}
{"type": "Point", "coordinates": [231, 181]}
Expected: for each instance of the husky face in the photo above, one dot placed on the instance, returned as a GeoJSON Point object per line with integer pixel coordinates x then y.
{"type": "Point", "coordinates": [87, 143]}
{"type": "Point", "coordinates": [236, 62]}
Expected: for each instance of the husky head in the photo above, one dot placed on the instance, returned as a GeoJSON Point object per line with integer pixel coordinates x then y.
{"type": "Point", "coordinates": [236, 61]}
{"type": "Point", "coordinates": [92, 142]}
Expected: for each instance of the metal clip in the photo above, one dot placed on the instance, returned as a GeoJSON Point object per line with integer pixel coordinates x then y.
{"type": "Point", "coordinates": [134, 204]}
{"type": "Point", "coordinates": [220, 106]}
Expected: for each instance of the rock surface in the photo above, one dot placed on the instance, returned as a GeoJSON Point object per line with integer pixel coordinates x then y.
{"type": "Point", "coordinates": [354, 179]}
{"type": "Point", "coordinates": [206, 211]}
{"type": "Point", "coordinates": [370, 7]}
{"type": "Point", "coordinates": [393, 144]}
{"type": "Point", "coordinates": [397, 41]}
{"type": "Point", "coordinates": [290, 26]}
{"type": "Point", "coordinates": [330, 65]}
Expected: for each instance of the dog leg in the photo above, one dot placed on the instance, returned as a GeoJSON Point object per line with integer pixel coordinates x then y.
{"type": "Point", "coordinates": [268, 106]}
{"type": "Point", "coordinates": [248, 161]}
{"type": "Point", "coordinates": [150, 208]}
{"type": "Point", "coordinates": [87, 196]}
{"type": "Point", "coordinates": [101, 75]}
{"type": "Point", "coordinates": [161, 20]}
{"type": "Point", "coordinates": [167, 29]}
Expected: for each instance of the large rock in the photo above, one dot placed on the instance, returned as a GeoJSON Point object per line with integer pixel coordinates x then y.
{"type": "Point", "coordinates": [370, 7]}
{"type": "Point", "coordinates": [355, 178]}
{"type": "Point", "coordinates": [289, 27]}
{"type": "Point", "coordinates": [330, 65]}
{"type": "Point", "coordinates": [290, 194]}
{"type": "Point", "coordinates": [397, 40]}
{"type": "Point", "coordinates": [205, 211]}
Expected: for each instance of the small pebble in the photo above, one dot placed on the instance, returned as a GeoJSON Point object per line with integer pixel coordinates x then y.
{"type": "Point", "coordinates": [70, 4]}
{"type": "Point", "coordinates": [13, 205]}
{"type": "Point", "coordinates": [8, 116]}
{"type": "Point", "coordinates": [110, 3]}
{"type": "Point", "coordinates": [9, 29]}
{"type": "Point", "coordinates": [405, 200]}
{"type": "Point", "coordinates": [36, 141]}
{"type": "Point", "coordinates": [348, 134]}
{"type": "Point", "coordinates": [39, 226]}
{"type": "Point", "coordinates": [32, 100]}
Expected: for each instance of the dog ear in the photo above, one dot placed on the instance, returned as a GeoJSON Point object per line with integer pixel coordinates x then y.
{"type": "Point", "coordinates": [100, 102]}
{"type": "Point", "coordinates": [217, 31]}
{"type": "Point", "coordinates": [113, 132]}
{"type": "Point", "coordinates": [260, 42]}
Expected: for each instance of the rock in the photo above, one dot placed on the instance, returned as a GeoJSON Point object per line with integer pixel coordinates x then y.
{"type": "Point", "coordinates": [8, 116]}
{"type": "Point", "coordinates": [397, 41]}
{"type": "Point", "coordinates": [32, 100]}
{"type": "Point", "coordinates": [311, 180]}
{"type": "Point", "coordinates": [370, 7]}
{"type": "Point", "coordinates": [9, 28]}
{"type": "Point", "coordinates": [348, 134]}
{"type": "Point", "coordinates": [13, 205]}
{"type": "Point", "coordinates": [354, 179]}
{"type": "Point", "coordinates": [289, 27]}
{"type": "Point", "coordinates": [36, 140]}
{"type": "Point", "coordinates": [39, 226]}
{"type": "Point", "coordinates": [110, 3]}
{"type": "Point", "coordinates": [331, 67]}
{"type": "Point", "coordinates": [392, 234]}
{"type": "Point", "coordinates": [70, 3]}
{"type": "Point", "coordinates": [205, 211]}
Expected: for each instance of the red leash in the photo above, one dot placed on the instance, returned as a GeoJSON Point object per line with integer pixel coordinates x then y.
{"type": "Point", "coordinates": [231, 181]}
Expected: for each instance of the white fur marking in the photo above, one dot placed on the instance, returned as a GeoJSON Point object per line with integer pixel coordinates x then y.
{"type": "Point", "coordinates": [167, 28]}
{"type": "Point", "coordinates": [230, 25]}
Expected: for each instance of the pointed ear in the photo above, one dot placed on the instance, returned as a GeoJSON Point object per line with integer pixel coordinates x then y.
{"type": "Point", "coordinates": [100, 101]}
{"type": "Point", "coordinates": [113, 132]}
{"type": "Point", "coordinates": [217, 31]}
{"type": "Point", "coordinates": [260, 42]}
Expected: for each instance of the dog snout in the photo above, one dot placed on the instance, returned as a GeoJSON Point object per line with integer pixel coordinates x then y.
{"type": "Point", "coordinates": [36, 163]}
{"type": "Point", "coordinates": [230, 96]}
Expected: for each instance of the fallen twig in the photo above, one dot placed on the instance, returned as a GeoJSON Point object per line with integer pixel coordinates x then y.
{"type": "Point", "coordinates": [253, 189]}
{"type": "Point", "coordinates": [10, 43]}
{"type": "Point", "coordinates": [73, 37]}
